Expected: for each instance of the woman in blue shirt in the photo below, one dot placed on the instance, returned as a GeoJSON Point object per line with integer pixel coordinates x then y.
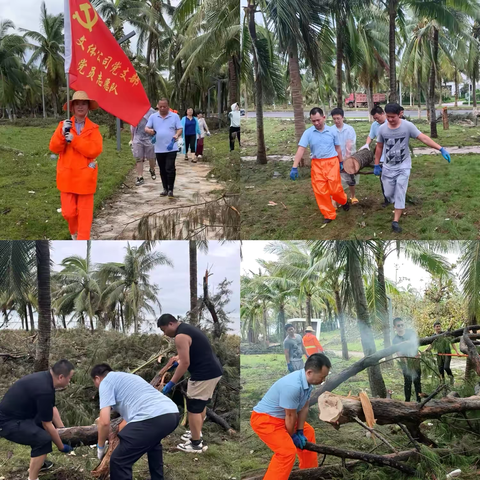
{"type": "Point", "coordinates": [191, 129]}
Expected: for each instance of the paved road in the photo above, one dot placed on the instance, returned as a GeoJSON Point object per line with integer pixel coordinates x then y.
{"type": "Point", "coordinates": [348, 113]}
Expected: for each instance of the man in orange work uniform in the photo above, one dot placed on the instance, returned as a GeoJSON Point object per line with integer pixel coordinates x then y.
{"type": "Point", "coordinates": [78, 143]}
{"type": "Point", "coordinates": [326, 164]}
{"type": "Point", "coordinates": [311, 343]}
{"type": "Point", "coordinates": [279, 419]}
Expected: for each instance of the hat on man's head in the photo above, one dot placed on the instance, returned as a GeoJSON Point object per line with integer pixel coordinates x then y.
{"type": "Point", "coordinates": [309, 329]}
{"type": "Point", "coordinates": [80, 95]}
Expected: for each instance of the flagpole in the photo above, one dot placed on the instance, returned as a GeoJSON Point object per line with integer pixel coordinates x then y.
{"type": "Point", "coordinates": [68, 96]}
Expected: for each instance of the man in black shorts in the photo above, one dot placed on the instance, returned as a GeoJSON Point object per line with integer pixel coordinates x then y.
{"type": "Point", "coordinates": [196, 355]}
{"type": "Point", "coordinates": [411, 365]}
{"type": "Point", "coordinates": [28, 415]}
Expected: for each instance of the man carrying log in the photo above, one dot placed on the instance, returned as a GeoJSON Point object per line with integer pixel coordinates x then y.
{"type": "Point", "coordinates": [326, 164]}
{"type": "Point", "coordinates": [279, 419]}
{"type": "Point", "coordinates": [196, 355]}
{"type": "Point", "coordinates": [393, 144]}
{"type": "Point", "coordinates": [148, 418]}
{"type": "Point", "coordinates": [443, 346]}
{"type": "Point", "coordinates": [294, 349]}
{"type": "Point", "coordinates": [410, 366]}
{"type": "Point", "coordinates": [28, 415]}
{"type": "Point", "coordinates": [347, 138]}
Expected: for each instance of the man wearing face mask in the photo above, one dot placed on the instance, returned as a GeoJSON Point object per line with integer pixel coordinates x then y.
{"type": "Point", "coordinates": [28, 415]}
{"type": "Point", "coordinates": [279, 419]}
{"type": "Point", "coordinates": [78, 142]}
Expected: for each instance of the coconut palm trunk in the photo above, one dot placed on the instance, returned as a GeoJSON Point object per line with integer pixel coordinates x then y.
{"type": "Point", "coordinates": [341, 321]}
{"type": "Point", "coordinates": [431, 87]}
{"type": "Point", "coordinates": [44, 305]}
{"type": "Point", "coordinates": [383, 303]}
{"type": "Point", "coordinates": [30, 316]}
{"type": "Point", "coordinates": [392, 14]}
{"type": "Point", "coordinates": [297, 97]}
{"type": "Point", "coordinates": [377, 384]}
{"type": "Point", "coordinates": [192, 244]}
{"type": "Point", "coordinates": [233, 81]}
{"type": "Point", "coordinates": [308, 316]}
{"type": "Point", "coordinates": [339, 67]}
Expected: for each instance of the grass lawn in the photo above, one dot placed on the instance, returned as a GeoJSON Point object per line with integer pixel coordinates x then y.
{"type": "Point", "coordinates": [259, 372]}
{"type": "Point", "coordinates": [29, 198]}
{"type": "Point", "coordinates": [444, 196]}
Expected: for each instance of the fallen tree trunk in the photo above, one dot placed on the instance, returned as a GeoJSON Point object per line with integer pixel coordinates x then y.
{"type": "Point", "coordinates": [388, 411]}
{"type": "Point", "coordinates": [77, 436]}
{"type": "Point", "coordinates": [468, 347]}
{"type": "Point", "coordinates": [220, 421]}
{"type": "Point", "coordinates": [358, 160]}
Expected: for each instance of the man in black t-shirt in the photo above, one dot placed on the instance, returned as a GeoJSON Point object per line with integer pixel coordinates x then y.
{"type": "Point", "coordinates": [410, 366]}
{"type": "Point", "coordinates": [28, 415]}
{"type": "Point", "coordinates": [196, 355]}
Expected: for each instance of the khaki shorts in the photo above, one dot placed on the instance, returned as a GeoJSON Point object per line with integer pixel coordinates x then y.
{"type": "Point", "coordinates": [202, 389]}
{"type": "Point", "coordinates": [143, 151]}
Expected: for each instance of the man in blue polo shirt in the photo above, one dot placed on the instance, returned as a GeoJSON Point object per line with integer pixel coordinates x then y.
{"type": "Point", "coordinates": [167, 128]}
{"type": "Point", "coordinates": [326, 164]}
{"type": "Point", "coordinates": [279, 419]}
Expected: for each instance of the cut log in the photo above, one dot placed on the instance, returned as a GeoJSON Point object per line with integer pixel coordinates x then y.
{"type": "Point", "coordinates": [388, 411]}
{"type": "Point", "coordinates": [358, 160]}
{"type": "Point", "coordinates": [77, 436]}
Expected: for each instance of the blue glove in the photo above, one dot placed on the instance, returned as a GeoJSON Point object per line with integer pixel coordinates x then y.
{"type": "Point", "coordinates": [377, 170]}
{"type": "Point", "coordinates": [302, 438]}
{"type": "Point", "coordinates": [290, 367]}
{"type": "Point", "coordinates": [154, 139]}
{"type": "Point", "coordinates": [168, 387]}
{"type": "Point", "coordinates": [298, 440]}
{"type": "Point", "coordinates": [445, 155]}
{"type": "Point", "coordinates": [66, 448]}
{"type": "Point", "coordinates": [341, 166]}
{"type": "Point", "coordinates": [174, 365]}
{"type": "Point", "coordinates": [293, 173]}
{"type": "Point", "coordinates": [170, 145]}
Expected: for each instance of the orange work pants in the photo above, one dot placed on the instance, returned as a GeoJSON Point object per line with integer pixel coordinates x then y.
{"type": "Point", "coordinates": [77, 210]}
{"type": "Point", "coordinates": [273, 433]}
{"type": "Point", "coordinates": [327, 185]}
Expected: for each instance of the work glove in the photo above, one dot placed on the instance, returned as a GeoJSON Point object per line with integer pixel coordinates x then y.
{"type": "Point", "coordinates": [365, 146]}
{"type": "Point", "coordinates": [377, 170]}
{"type": "Point", "coordinates": [67, 125]}
{"type": "Point", "coordinates": [153, 139]}
{"type": "Point", "coordinates": [174, 365]}
{"type": "Point", "coordinates": [168, 387]}
{"type": "Point", "coordinates": [445, 155]}
{"type": "Point", "coordinates": [69, 137]}
{"type": "Point", "coordinates": [130, 143]}
{"type": "Point", "coordinates": [208, 134]}
{"type": "Point", "coordinates": [290, 367]}
{"type": "Point", "coordinates": [293, 173]}
{"type": "Point", "coordinates": [171, 144]}
{"type": "Point", "coordinates": [302, 437]}
{"type": "Point", "coordinates": [341, 166]}
{"type": "Point", "coordinates": [298, 440]}
{"type": "Point", "coordinates": [100, 451]}
{"type": "Point", "coordinates": [66, 448]}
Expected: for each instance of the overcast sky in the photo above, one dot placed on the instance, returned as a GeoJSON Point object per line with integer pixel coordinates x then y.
{"type": "Point", "coordinates": [407, 273]}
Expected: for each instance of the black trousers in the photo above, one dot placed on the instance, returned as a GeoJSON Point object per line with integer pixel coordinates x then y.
{"type": "Point", "coordinates": [443, 364]}
{"type": "Point", "coordinates": [234, 132]}
{"type": "Point", "coordinates": [412, 374]}
{"type": "Point", "coordinates": [138, 438]}
{"type": "Point", "coordinates": [27, 432]}
{"type": "Point", "coordinates": [190, 143]}
{"type": "Point", "coordinates": [385, 199]}
{"type": "Point", "coordinates": [166, 164]}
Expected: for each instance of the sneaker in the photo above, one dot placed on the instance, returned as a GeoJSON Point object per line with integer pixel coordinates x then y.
{"type": "Point", "coordinates": [187, 436]}
{"type": "Point", "coordinates": [164, 193]}
{"type": "Point", "coordinates": [346, 207]}
{"type": "Point", "coordinates": [396, 227]}
{"type": "Point", "coordinates": [194, 160]}
{"type": "Point", "coordinates": [140, 181]}
{"type": "Point", "coordinates": [152, 173]}
{"type": "Point", "coordinates": [74, 236]}
{"type": "Point", "coordinates": [189, 447]}
{"type": "Point", "coordinates": [46, 466]}
{"type": "Point", "coordinates": [354, 200]}
{"type": "Point", "coordinates": [200, 157]}
{"type": "Point", "coordinates": [186, 158]}
{"type": "Point", "coordinates": [170, 194]}
{"type": "Point", "coordinates": [327, 220]}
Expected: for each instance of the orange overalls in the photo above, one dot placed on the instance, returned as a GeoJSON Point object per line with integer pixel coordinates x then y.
{"type": "Point", "coordinates": [327, 185]}
{"type": "Point", "coordinates": [273, 433]}
{"type": "Point", "coordinates": [311, 344]}
{"type": "Point", "coordinates": [77, 173]}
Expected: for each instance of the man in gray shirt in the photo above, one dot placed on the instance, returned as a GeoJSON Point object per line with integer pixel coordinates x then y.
{"type": "Point", "coordinates": [294, 349]}
{"type": "Point", "coordinates": [142, 147]}
{"type": "Point", "coordinates": [393, 142]}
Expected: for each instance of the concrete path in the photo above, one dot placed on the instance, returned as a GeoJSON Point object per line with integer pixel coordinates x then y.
{"type": "Point", "coordinates": [119, 217]}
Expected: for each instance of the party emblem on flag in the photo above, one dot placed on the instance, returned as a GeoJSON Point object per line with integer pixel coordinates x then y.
{"type": "Point", "coordinates": [97, 65]}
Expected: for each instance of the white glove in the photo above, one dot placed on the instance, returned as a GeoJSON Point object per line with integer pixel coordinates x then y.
{"type": "Point", "coordinates": [208, 134]}
{"type": "Point", "coordinates": [66, 124]}
{"type": "Point", "coordinates": [100, 451]}
{"type": "Point", "coordinates": [69, 137]}
{"type": "Point", "coordinates": [180, 142]}
{"type": "Point", "coordinates": [366, 146]}
{"type": "Point", "coordinates": [130, 143]}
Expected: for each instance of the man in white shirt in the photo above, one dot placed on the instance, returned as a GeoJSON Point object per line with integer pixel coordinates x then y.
{"type": "Point", "coordinates": [347, 138]}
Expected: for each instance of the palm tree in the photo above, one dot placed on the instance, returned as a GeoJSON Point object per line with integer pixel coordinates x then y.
{"type": "Point", "coordinates": [42, 255]}
{"type": "Point", "coordinates": [128, 284]}
{"type": "Point", "coordinates": [193, 245]}
{"type": "Point", "coordinates": [49, 50]}
{"type": "Point", "coordinates": [113, 13]}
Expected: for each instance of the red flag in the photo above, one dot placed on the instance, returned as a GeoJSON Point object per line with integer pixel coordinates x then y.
{"type": "Point", "coordinates": [97, 65]}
